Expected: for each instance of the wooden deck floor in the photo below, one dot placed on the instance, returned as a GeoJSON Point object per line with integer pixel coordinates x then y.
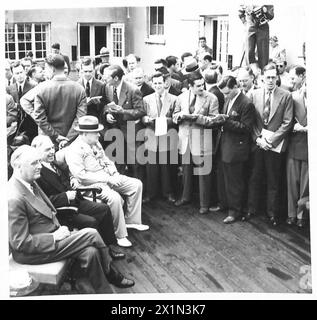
{"type": "Point", "coordinates": [187, 252]}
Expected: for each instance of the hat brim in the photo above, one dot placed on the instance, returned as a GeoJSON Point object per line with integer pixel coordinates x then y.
{"type": "Point", "coordinates": [100, 127]}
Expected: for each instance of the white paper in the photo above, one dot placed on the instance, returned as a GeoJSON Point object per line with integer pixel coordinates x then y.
{"type": "Point", "coordinates": [268, 134]}
{"type": "Point", "coordinates": [160, 126]}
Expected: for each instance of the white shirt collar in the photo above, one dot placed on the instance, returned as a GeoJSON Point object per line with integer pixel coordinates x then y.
{"type": "Point", "coordinates": [232, 101]}
{"type": "Point", "coordinates": [85, 82]}
{"type": "Point", "coordinates": [119, 88]}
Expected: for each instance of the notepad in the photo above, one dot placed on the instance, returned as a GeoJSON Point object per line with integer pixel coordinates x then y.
{"type": "Point", "coordinates": [267, 134]}
{"type": "Point", "coordinates": [160, 126]}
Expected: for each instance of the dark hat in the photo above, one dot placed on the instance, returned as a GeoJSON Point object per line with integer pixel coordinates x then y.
{"type": "Point", "coordinates": [274, 38]}
{"type": "Point", "coordinates": [88, 124]}
{"type": "Point", "coordinates": [56, 46]}
{"type": "Point", "coordinates": [192, 65]}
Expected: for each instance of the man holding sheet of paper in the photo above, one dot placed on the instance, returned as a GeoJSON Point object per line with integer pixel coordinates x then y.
{"type": "Point", "coordinates": [274, 115]}
{"type": "Point", "coordinates": [161, 140]}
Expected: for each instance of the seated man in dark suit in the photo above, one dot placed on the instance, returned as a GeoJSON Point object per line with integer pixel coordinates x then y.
{"type": "Point", "coordinates": [36, 236]}
{"type": "Point", "coordinates": [57, 186]}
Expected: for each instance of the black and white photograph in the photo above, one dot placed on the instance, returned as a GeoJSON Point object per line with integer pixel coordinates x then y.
{"type": "Point", "coordinates": [157, 148]}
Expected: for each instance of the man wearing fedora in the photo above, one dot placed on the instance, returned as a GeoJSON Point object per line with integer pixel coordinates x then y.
{"type": "Point", "coordinates": [89, 164]}
{"type": "Point", "coordinates": [103, 59]}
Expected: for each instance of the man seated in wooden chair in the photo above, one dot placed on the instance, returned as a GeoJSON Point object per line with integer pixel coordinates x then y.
{"type": "Point", "coordinates": [36, 236]}
{"type": "Point", "coordinates": [89, 164]}
{"type": "Point", "coordinates": [57, 185]}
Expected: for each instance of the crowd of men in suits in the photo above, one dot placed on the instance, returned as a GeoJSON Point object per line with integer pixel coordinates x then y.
{"type": "Point", "coordinates": [242, 134]}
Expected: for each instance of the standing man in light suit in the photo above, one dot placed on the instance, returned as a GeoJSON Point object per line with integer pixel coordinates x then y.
{"type": "Point", "coordinates": [195, 113]}
{"type": "Point", "coordinates": [274, 112]}
{"type": "Point", "coordinates": [297, 157]}
{"type": "Point", "coordinates": [157, 105]}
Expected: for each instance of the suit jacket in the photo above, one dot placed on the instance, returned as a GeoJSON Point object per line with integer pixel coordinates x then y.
{"type": "Point", "coordinates": [172, 90]}
{"type": "Point", "coordinates": [13, 89]}
{"type": "Point", "coordinates": [221, 99]}
{"type": "Point", "coordinates": [153, 142]}
{"type": "Point", "coordinates": [12, 110]}
{"type": "Point", "coordinates": [146, 89]}
{"type": "Point", "coordinates": [31, 221]}
{"type": "Point", "coordinates": [206, 107]}
{"type": "Point", "coordinates": [98, 88]}
{"type": "Point", "coordinates": [55, 186]}
{"type": "Point", "coordinates": [131, 100]}
{"type": "Point", "coordinates": [281, 115]}
{"type": "Point", "coordinates": [298, 144]}
{"type": "Point", "coordinates": [236, 133]}
{"type": "Point", "coordinates": [58, 105]}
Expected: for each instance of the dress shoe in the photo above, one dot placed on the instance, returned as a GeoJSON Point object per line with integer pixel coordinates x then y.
{"type": "Point", "coordinates": [215, 209]}
{"type": "Point", "coordinates": [139, 227]}
{"type": "Point", "coordinates": [291, 221]}
{"type": "Point", "coordinates": [203, 210]}
{"type": "Point", "coordinates": [124, 242]}
{"type": "Point", "coordinates": [118, 279]}
{"type": "Point", "coordinates": [273, 221]}
{"type": "Point", "coordinates": [229, 220]}
{"type": "Point", "coordinates": [247, 216]}
{"type": "Point", "coordinates": [83, 286]}
{"type": "Point", "coordinates": [146, 200]}
{"type": "Point", "coordinates": [181, 202]}
{"type": "Point", "coordinates": [170, 198]}
{"type": "Point", "coordinates": [116, 255]}
{"type": "Point", "coordinates": [301, 223]}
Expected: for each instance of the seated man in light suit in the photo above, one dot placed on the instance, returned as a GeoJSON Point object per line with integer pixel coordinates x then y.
{"type": "Point", "coordinates": [89, 164]}
{"type": "Point", "coordinates": [196, 112]}
{"type": "Point", "coordinates": [36, 236]}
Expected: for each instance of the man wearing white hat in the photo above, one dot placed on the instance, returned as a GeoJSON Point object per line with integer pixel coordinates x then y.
{"type": "Point", "coordinates": [89, 164]}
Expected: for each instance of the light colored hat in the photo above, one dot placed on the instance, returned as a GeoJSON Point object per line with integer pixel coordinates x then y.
{"type": "Point", "coordinates": [104, 52]}
{"type": "Point", "coordinates": [88, 124]}
{"type": "Point", "coordinates": [191, 65]}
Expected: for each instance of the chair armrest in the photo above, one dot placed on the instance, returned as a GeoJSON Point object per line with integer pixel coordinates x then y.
{"type": "Point", "coordinates": [88, 188]}
{"type": "Point", "coordinates": [68, 208]}
{"type": "Point", "coordinates": [94, 191]}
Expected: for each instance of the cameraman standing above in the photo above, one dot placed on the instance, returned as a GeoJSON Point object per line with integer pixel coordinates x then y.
{"type": "Point", "coordinates": [256, 20]}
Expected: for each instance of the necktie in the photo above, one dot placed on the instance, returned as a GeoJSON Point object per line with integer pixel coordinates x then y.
{"type": "Point", "coordinates": [267, 109]}
{"type": "Point", "coordinates": [159, 105]}
{"type": "Point", "coordinates": [87, 89]}
{"type": "Point", "coordinates": [20, 91]}
{"type": "Point", "coordinates": [192, 105]}
{"type": "Point", "coordinates": [115, 96]}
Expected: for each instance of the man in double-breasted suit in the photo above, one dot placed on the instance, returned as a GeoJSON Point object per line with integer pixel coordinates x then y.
{"type": "Point", "coordinates": [195, 112]}
{"type": "Point", "coordinates": [36, 236]}
{"type": "Point", "coordinates": [125, 113]}
{"type": "Point", "coordinates": [59, 102]}
{"type": "Point", "coordinates": [297, 155]}
{"type": "Point", "coordinates": [160, 146]}
{"type": "Point", "coordinates": [274, 112]}
{"type": "Point", "coordinates": [21, 86]}
{"type": "Point", "coordinates": [234, 148]}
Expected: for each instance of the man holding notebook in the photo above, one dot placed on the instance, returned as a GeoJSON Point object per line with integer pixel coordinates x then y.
{"type": "Point", "coordinates": [274, 115]}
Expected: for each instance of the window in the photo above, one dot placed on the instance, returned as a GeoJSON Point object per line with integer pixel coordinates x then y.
{"type": "Point", "coordinates": [156, 21]}
{"type": "Point", "coordinates": [23, 37]}
{"type": "Point", "coordinates": [117, 41]}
